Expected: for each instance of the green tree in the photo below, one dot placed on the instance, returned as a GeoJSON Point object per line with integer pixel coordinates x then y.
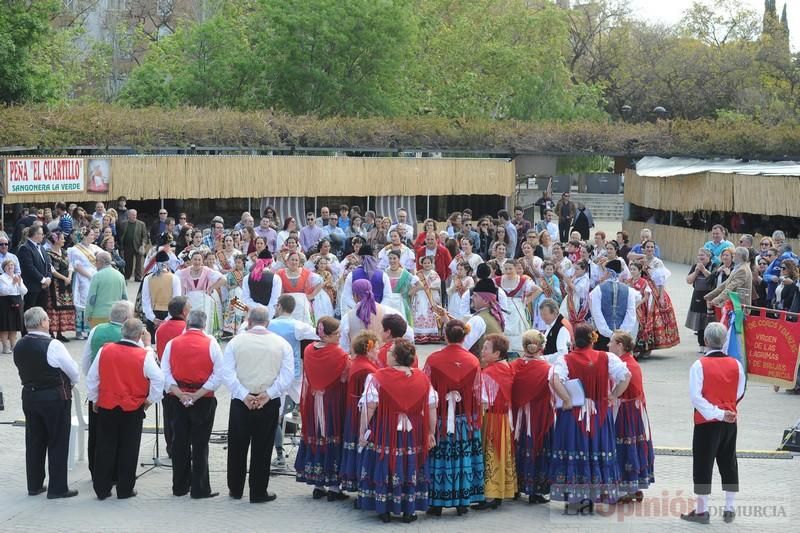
{"type": "Point", "coordinates": [24, 24]}
{"type": "Point", "coordinates": [496, 59]}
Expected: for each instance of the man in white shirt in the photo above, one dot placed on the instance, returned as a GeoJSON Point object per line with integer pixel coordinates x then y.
{"type": "Point", "coordinates": [402, 220]}
{"type": "Point", "coordinates": [258, 370]}
{"type": "Point", "coordinates": [558, 337]}
{"type": "Point", "coordinates": [552, 226]}
{"type": "Point", "coordinates": [716, 385]}
{"type": "Point", "coordinates": [192, 366]}
{"type": "Point", "coordinates": [99, 211]}
{"type": "Point", "coordinates": [123, 381]}
{"type": "Point", "coordinates": [47, 373]}
{"type": "Point", "coordinates": [5, 254]}
{"type": "Point", "coordinates": [613, 306]}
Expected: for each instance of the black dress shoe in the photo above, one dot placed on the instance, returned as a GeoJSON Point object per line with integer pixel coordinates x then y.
{"type": "Point", "coordinates": [537, 498]}
{"type": "Point", "coordinates": [385, 517]}
{"type": "Point", "coordinates": [268, 497]}
{"type": "Point", "coordinates": [408, 518]}
{"type": "Point", "coordinates": [132, 494]}
{"type": "Point", "coordinates": [462, 509]}
{"type": "Point", "coordinates": [203, 496]}
{"type": "Point", "coordinates": [336, 496]}
{"type": "Point", "coordinates": [318, 494]}
{"type": "Point", "coordinates": [235, 496]}
{"type": "Point", "coordinates": [728, 516]}
{"type": "Point", "coordinates": [62, 338]}
{"type": "Point", "coordinates": [105, 496]}
{"type": "Point", "coordinates": [38, 491]}
{"type": "Point", "coordinates": [697, 518]}
{"type": "Point", "coordinates": [434, 511]}
{"type": "Point", "coordinates": [68, 494]}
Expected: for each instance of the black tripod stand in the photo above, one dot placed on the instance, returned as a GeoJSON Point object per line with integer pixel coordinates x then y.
{"type": "Point", "coordinates": [156, 462]}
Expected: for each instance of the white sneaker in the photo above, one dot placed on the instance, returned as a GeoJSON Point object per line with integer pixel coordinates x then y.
{"type": "Point", "coordinates": [279, 462]}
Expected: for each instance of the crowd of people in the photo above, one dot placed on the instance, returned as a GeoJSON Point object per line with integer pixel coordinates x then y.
{"type": "Point", "coordinates": [536, 391]}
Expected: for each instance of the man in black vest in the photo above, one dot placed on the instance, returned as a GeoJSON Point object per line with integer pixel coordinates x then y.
{"type": "Point", "coordinates": [262, 287]}
{"type": "Point", "coordinates": [558, 336]}
{"type": "Point", "coordinates": [36, 269]}
{"type": "Point", "coordinates": [48, 373]}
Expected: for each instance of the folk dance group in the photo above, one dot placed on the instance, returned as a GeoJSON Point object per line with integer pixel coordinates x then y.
{"type": "Point", "coordinates": [470, 429]}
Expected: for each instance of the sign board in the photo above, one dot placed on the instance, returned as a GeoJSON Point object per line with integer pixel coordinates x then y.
{"type": "Point", "coordinates": [771, 341]}
{"type": "Point", "coordinates": [47, 175]}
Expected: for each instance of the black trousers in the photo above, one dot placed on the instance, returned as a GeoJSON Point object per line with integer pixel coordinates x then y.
{"type": "Point", "coordinates": [47, 427]}
{"type": "Point", "coordinates": [92, 442]}
{"type": "Point", "coordinates": [714, 441]}
{"type": "Point", "coordinates": [563, 230]}
{"type": "Point", "coordinates": [192, 430]}
{"type": "Point", "coordinates": [251, 429]}
{"type": "Point", "coordinates": [151, 327]}
{"type": "Point", "coordinates": [119, 434]}
{"type": "Point", "coordinates": [134, 263]}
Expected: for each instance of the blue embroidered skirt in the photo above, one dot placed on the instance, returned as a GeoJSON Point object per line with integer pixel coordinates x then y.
{"type": "Point", "coordinates": [583, 466]}
{"type": "Point", "coordinates": [634, 450]}
{"type": "Point", "coordinates": [456, 467]}
{"type": "Point", "coordinates": [349, 470]}
{"type": "Point", "coordinates": [533, 468]}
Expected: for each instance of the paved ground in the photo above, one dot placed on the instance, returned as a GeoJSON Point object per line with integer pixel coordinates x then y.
{"type": "Point", "coordinates": [769, 500]}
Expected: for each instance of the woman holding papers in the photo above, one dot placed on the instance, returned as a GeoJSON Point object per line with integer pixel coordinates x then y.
{"type": "Point", "coordinates": [584, 457]}
{"type": "Point", "coordinates": [634, 443]}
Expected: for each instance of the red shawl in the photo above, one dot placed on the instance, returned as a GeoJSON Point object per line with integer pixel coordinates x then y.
{"type": "Point", "coordinates": [325, 370]}
{"type": "Point", "coordinates": [591, 367]}
{"type": "Point", "coordinates": [399, 394]}
{"type": "Point", "coordinates": [635, 390]}
{"type": "Point", "coordinates": [531, 386]}
{"type": "Point", "coordinates": [455, 369]}
{"type": "Point", "coordinates": [383, 356]}
{"type": "Point", "coordinates": [498, 380]}
{"type": "Point", "coordinates": [360, 368]}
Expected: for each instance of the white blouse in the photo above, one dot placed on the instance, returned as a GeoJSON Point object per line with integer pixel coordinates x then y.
{"type": "Point", "coordinates": [9, 288]}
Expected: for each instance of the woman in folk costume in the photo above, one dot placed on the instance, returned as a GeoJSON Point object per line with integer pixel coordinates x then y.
{"type": "Point", "coordinates": [584, 458]}
{"type": "Point", "coordinates": [458, 294]}
{"type": "Point", "coordinates": [456, 462]}
{"type": "Point", "coordinates": [532, 402]}
{"type": "Point", "coordinates": [429, 297]}
{"type": "Point", "coordinates": [324, 303]}
{"type": "Point", "coordinates": [520, 291]}
{"type": "Point", "coordinates": [82, 258]}
{"type": "Point", "coordinates": [499, 465]}
{"type": "Point", "coordinates": [367, 315]}
{"type": "Point", "coordinates": [666, 326]}
{"type": "Point", "coordinates": [394, 327]}
{"type": "Point", "coordinates": [404, 286]}
{"type": "Point", "coordinates": [348, 265]}
{"type": "Point", "coordinates": [322, 410]}
{"type": "Point", "coordinates": [362, 364]}
{"type": "Point", "coordinates": [199, 284]}
{"type": "Point", "coordinates": [405, 254]}
{"type": "Point", "coordinates": [575, 306]}
{"type": "Point", "coordinates": [634, 442]}
{"type": "Point", "coordinates": [302, 284]}
{"type": "Point", "coordinates": [368, 270]}
{"type": "Point", "coordinates": [233, 316]}
{"type": "Point", "coordinates": [397, 431]}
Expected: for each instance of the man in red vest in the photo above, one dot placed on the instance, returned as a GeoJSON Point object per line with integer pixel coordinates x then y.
{"type": "Point", "coordinates": [123, 381]}
{"type": "Point", "coordinates": [192, 366]}
{"type": "Point", "coordinates": [716, 385]}
{"type": "Point", "coordinates": [170, 328]}
{"type": "Point", "coordinates": [442, 259]}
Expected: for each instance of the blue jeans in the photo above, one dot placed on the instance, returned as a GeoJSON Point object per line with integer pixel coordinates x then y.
{"type": "Point", "coordinates": [288, 406]}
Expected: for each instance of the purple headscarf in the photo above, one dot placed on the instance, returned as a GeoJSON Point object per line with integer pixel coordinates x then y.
{"type": "Point", "coordinates": [370, 264]}
{"type": "Point", "coordinates": [366, 308]}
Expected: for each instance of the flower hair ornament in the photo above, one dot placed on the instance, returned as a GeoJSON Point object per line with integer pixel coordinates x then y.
{"type": "Point", "coordinates": [594, 337]}
{"type": "Point", "coordinates": [320, 330]}
{"type": "Point", "coordinates": [467, 329]}
{"type": "Point", "coordinates": [370, 345]}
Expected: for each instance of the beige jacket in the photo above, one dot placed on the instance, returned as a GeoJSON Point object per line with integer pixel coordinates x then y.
{"type": "Point", "coordinates": [740, 281]}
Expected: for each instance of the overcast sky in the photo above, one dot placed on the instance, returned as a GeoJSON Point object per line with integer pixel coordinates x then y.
{"type": "Point", "coordinates": [670, 11]}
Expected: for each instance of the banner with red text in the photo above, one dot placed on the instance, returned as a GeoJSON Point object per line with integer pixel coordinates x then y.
{"type": "Point", "coordinates": [47, 175]}
{"type": "Point", "coordinates": [771, 341]}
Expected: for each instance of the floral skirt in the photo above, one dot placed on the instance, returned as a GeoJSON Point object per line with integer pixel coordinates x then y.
{"type": "Point", "coordinates": [634, 449]}
{"type": "Point", "coordinates": [399, 488]}
{"type": "Point", "coordinates": [583, 466]}
{"type": "Point", "coordinates": [456, 467]}
{"type": "Point", "coordinates": [499, 464]}
{"type": "Point", "coordinates": [319, 464]}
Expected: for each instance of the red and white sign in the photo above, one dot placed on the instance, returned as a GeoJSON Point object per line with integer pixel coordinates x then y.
{"type": "Point", "coordinates": [51, 175]}
{"type": "Point", "coordinates": [772, 345]}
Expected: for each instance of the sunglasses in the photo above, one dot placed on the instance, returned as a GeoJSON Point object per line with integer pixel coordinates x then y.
{"type": "Point", "coordinates": [3, 244]}
{"type": "Point", "coordinates": [783, 268]}
{"type": "Point", "coordinates": [764, 244]}
{"type": "Point", "coordinates": [763, 264]}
